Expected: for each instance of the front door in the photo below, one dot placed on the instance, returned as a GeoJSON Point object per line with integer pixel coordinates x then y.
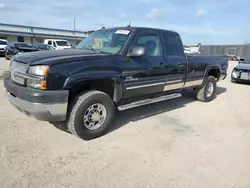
{"type": "Point", "coordinates": [176, 63]}
{"type": "Point", "coordinates": [148, 75]}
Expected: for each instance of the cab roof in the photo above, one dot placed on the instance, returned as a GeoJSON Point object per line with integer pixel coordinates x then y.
{"type": "Point", "coordinates": [141, 28]}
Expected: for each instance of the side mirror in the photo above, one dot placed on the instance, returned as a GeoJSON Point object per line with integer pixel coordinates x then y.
{"type": "Point", "coordinates": [137, 51]}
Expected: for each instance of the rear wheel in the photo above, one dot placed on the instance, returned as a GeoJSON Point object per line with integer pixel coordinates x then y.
{"type": "Point", "coordinates": [91, 115]}
{"type": "Point", "coordinates": [208, 92]}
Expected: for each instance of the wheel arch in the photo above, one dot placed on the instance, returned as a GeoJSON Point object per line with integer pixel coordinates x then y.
{"type": "Point", "coordinates": [110, 86]}
{"type": "Point", "coordinates": [211, 71]}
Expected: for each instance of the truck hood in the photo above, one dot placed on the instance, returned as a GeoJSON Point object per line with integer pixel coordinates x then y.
{"type": "Point", "coordinates": [51, 57]}
{"type": "Point", "coordinates": [243, 66]}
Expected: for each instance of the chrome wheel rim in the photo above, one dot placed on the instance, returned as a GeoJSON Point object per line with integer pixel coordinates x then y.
{"type": "Point", "coordinates": [95, 116]}
{"type": "Point", "coordinates": [210, 89]}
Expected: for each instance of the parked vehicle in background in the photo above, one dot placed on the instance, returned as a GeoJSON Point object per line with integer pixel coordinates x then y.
{"type": "Point", "coordinates": [241, 73]}
{"type": "Point", "coordinates": [58, 44]}
{"type": "Point", "coordinates": [195, 50]}
{"type": "Point", "coordinates": [3, 45]}
{"type": "Point", "coordinates": [187, 50]}
{"type": "Point", "coordinates": [42, 46]}
{"type": "Point", "coordinates": [121, 68]}
{"type": "Point", "coordinates": [191, 50]}
{"type": "Point", "coordinates": [18, 48]}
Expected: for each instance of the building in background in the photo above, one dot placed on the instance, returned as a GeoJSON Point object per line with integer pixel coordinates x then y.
{"type": "Point", "coordinates": [33, 35]}
{"type": "Point", "coordinates": [236, 52]}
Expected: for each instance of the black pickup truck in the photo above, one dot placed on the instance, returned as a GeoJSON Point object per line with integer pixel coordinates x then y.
{"type": "Point", "coordinates": [115, 68]}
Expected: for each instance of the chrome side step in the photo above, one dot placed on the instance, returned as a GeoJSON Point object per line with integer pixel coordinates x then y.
{"type": "Point", "coordinates": [148, 101]}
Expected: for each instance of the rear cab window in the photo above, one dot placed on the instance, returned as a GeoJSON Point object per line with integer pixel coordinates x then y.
{"type": "Point", "coordinates": [173, 44]}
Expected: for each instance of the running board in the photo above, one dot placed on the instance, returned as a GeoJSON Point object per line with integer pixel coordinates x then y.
{"type": "Point", "coordinates": [148, 101]}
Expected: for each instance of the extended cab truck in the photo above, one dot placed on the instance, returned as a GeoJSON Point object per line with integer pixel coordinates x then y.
{"type": "Point", "coordinates": [116, 68]}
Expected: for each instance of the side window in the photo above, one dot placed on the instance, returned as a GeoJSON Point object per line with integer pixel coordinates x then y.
{"type": "Point", "coordinates": [49, 42]}
{"type": "Point", "coordinates": [152, 44]}
{"type": "Point", "coordinates": [54, 44]}
{"type": "Point", "coordinates": [173, 44]}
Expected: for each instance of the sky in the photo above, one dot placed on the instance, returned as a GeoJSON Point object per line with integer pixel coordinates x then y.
{"type": "Point", "coordinates": [197, 21]}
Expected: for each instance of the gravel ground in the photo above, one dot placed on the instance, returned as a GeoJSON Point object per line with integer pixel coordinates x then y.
{"type": "Point", "coordinates": [178, 143]}
{"type": "Point", "coordinates": [4, 64]}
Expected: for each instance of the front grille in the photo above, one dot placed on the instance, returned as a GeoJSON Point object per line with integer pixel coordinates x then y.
{"type": "Point", "coordinates": [15, 68]}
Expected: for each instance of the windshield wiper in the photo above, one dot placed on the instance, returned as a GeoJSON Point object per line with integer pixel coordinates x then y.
{"type": "Point", "coordinates": [96, 50]}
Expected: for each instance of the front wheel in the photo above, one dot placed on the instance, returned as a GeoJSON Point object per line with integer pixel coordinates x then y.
{"type": "Point", "coordinates": [208, 92]}
{"type": "Point", "coordinates": [6, 56]}
{"type": "Point", "coordinates": [92, 115]}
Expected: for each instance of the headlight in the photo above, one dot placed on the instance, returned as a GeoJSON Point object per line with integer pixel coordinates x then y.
{"type": "Point", "coordinates": [235, 73]}
{"type": "Point", "coordinates": [40, 70]}
{"type": "Point", "coordinates": [38, 81]}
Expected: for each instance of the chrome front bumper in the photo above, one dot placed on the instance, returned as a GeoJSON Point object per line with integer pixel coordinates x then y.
{"type": "Point", "coordinates": [41, 111]}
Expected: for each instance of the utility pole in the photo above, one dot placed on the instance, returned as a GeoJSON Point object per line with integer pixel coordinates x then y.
{"type": "Point", "coordinates": [74, 23]}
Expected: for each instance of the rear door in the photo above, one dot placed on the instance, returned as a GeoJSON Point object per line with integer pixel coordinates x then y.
{"type": "Point", "coordinates": [148, 76]}
{"type": "Point", "coordinates": [176, 63]}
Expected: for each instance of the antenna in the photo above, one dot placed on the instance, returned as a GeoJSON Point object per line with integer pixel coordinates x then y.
{"type": "Point", "coordinates": [129, 24]}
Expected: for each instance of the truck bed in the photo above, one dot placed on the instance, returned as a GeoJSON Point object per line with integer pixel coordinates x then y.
{"type": "Point", "coordinates": [222, 61]}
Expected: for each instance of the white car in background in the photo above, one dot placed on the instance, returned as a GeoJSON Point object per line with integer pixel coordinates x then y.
{"type": "Point", "coordinates": [58, 44]}
{"type": "Point", "coordinates": [3, 45]}
{"type": "Point", "coordinates": [192, 50]}
{"type": "Point", "coordinates": [187, 50]}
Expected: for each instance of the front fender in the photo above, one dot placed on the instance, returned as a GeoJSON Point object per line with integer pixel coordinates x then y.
{"type": "Point", "coordinates": [86, 76]}
{"type": "Point", "coordinates": [75, 79]}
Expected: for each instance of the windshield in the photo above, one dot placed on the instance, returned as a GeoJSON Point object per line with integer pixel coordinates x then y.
{"type": "Point", "coordinates": [62, 43]}
{"type": "Point", "coordinates": [3, 42]}
{"type": "Point", "coordinates": [22, 45]}
{"type": "Point", "coordinates": [106, 40]}
{"type": "Point", "coordinates": [43, 46]}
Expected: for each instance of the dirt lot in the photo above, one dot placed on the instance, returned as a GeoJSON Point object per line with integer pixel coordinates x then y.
{"type": "Point", "coordinates": [178, 143]}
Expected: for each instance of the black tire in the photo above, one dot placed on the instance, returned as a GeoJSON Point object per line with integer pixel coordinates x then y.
{"type": "Point", "coordinates": [233, 80]}
{"type": "Point", "coordinates": [76, 124]}
{"type": "Point", "coordinates": [202, 92]}
{"type": "Point", "coordinates": [6, 56]}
